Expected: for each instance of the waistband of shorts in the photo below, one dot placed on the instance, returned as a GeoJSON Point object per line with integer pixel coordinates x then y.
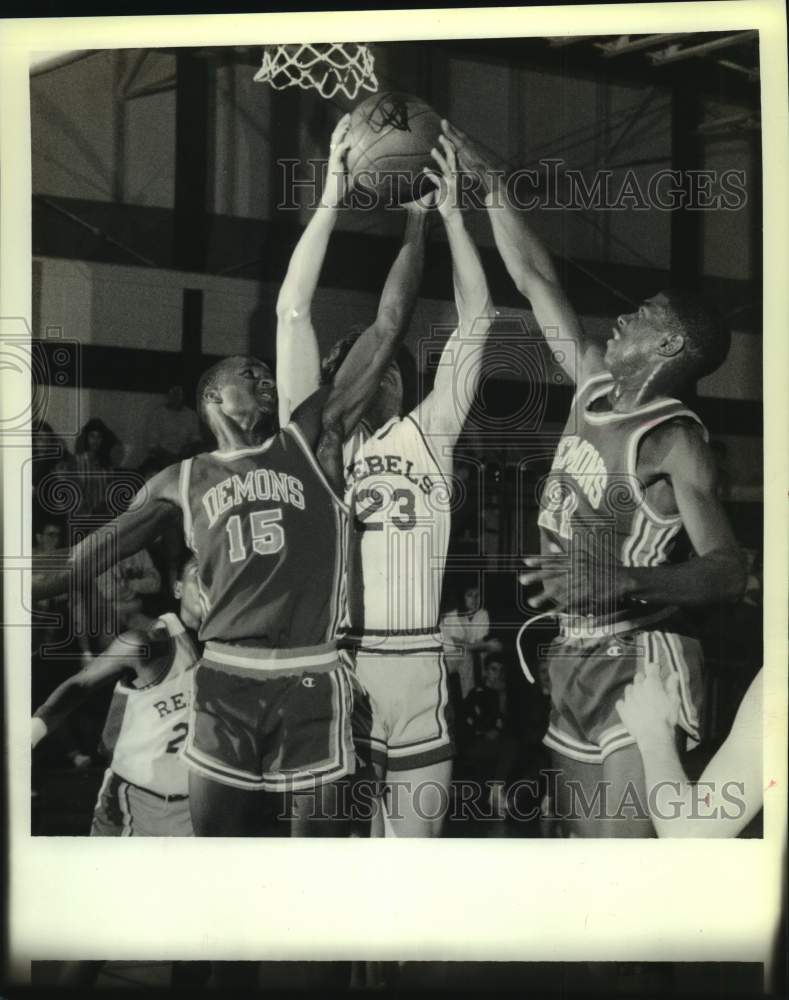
{"type": "Point", "coordinates": [150, 791]}
{"type": "Point", "coordinates": [266, 659]}
{"type": "Point", "coordinates": [394, 641]}
{"type": "Point", "coordinates": [580, 628]}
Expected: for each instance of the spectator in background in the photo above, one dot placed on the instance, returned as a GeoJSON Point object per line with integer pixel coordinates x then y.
{"type": "Point", "coordinates": [50, 454]}
{"type": "Point", "coordinates": [173, 430]}
{"type": "Point", "coordinates": [93, 463]}
{"type": "Point", "coordinates": [487, 749]}
{"type": "Point", "coordinates": [48, 539]}
{"type": "Point", "coordinates": [465, 635]}
{"type": "Point", "coordinates": [54, 654]}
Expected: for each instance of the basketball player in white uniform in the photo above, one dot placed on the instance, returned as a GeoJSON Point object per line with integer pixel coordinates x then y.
{"type": "Point", "coordinates": [632, 470]}
{"type": "Point", "coordinates": [399, 473]}
{"type": "Point", "coordinates": [145, 790]}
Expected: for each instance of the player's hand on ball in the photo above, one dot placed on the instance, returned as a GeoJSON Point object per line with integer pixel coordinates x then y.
{"type": "Point", "coordinates": [337, 182]}
{"type": "Point", "coordinates": [447, 181]}
{"type": "Point", "coordinates": [471, 156]}
{"type": "Point", "coordinates": [650, 708]}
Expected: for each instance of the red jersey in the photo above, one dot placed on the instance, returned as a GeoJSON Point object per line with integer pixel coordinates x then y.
{"type": "Point", "coordinates": [593, 498]}
{"type": "Point", "coordinates": [269, 536]}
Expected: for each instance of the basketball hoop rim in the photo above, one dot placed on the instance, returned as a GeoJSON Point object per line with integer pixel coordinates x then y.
{"type": "Point", "coordinates": [326, 67]}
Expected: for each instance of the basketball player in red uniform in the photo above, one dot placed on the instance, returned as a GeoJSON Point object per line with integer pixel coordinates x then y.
{"type": "Point", "coordinates": [399, 473]}
{"type": "Point", "coordinates": [632, 471]}
{"type": "Point", "coordinates": [272, 697]}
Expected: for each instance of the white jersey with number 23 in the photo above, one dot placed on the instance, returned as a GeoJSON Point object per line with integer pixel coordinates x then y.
{"type": "Point", "coordinates": [400, 505]}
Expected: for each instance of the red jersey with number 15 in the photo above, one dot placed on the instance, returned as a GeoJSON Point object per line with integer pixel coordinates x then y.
{"type": "Point", "coordinates": [269, 536]}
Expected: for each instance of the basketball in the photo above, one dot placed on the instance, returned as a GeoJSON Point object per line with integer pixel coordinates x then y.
{"type": "Point", "coordinates": [391, 137]}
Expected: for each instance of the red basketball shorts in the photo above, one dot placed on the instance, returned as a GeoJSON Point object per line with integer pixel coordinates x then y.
{"type": "Point", "coordinates": [589, 675]}
{"type": "Point", "coordinates": [270, 719]}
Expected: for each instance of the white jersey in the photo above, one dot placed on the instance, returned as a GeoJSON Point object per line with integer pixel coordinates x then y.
{"type": "Point", "coordinates": [146, 726]}
{"type": "Point", "coordinates": [400, 505]}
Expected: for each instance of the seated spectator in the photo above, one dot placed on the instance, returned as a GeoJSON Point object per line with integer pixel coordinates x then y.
{"type": "Point", "coordinates": [172, 431]}
{"type": "Point", "coordinates": [484, 707]}
{"type": "Point", "coordinates": [48, 539]}
{"type": "Point", "coordinates": [50, 454]}
{"type": "Point", "coordinates": [54, 654]}
{"type": "Point", "coordinates": [93, 463]}
{"type": "Point", "coordinates": [465, 635]}
{"type": "Point", "coordinates": [486, 747]}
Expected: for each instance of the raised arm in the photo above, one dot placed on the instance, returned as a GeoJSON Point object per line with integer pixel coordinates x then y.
{"type": "Point", "coordinates": [329, 416]}
{"type": "Point", "coordinates": [298, 360]}
{"type": "Point", "coordinates": [123, 653]}
{"type": "Point", "coordinates": [445, 409]}
{"type": "Point", "coordinates": [362, 370]}
{"type": "Point", "coordinates": [528, 261]}
{"type": "Point", "coordinates": [155, 507]}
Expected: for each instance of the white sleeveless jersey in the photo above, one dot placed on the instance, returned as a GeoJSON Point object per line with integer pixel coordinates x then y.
{"type": "Point", "coordinates": [146, 727]}
{"type": "Point", "coordinates": [400, 506]}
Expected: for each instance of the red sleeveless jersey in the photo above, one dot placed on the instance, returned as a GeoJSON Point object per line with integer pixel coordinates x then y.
{"type": "Point", "coordinates": [593, 499]}
{"type": "Point", "coordinates": [269, 536]}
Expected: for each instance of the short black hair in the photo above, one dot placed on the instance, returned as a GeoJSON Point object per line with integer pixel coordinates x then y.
{"type": "Point", "coordinates": [707, 335]}
{"type": "Point", "coordinates": [332, 363]}
{"type": "Point", "coordinates": [214, 378]}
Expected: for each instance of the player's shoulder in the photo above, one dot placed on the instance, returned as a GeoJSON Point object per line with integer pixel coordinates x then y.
{"type": "Point", "coordinates": [680, 430]}
{"type": "Point", "coordinates": [164, 484]}
{"type": "Point", "coordinates": [149, 642]}
{"type": "Point", "coordinates": [131, 649]}
{"type": "Point", "coordinates": [396, 427]}
{"type": "Point", "coordinates": [677, 443]}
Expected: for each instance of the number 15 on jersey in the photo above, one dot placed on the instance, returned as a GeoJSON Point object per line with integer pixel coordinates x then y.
{"type": "Point", "coordinates": [266, 533]}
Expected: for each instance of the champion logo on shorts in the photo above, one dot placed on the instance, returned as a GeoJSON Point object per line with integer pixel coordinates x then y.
{"type": "Point", "coordinates": [614, 650]}
{"type": "Point", "coordinates": [308, 682]}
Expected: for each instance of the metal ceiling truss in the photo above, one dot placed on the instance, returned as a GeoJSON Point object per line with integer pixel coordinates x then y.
{"type": "Point", "coordinates": [667, 49]}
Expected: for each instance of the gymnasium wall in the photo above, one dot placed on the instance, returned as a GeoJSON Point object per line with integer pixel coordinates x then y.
{"type": "Point", "coordinates": [103, 131]}
{"type": "Point", "coordinates": [107, 306]}
{"type": "Point", "coordinates": [103, 148]}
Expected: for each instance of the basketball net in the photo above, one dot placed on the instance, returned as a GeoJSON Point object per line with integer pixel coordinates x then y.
{"type": "Point", "coordinates": [326, 67]}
